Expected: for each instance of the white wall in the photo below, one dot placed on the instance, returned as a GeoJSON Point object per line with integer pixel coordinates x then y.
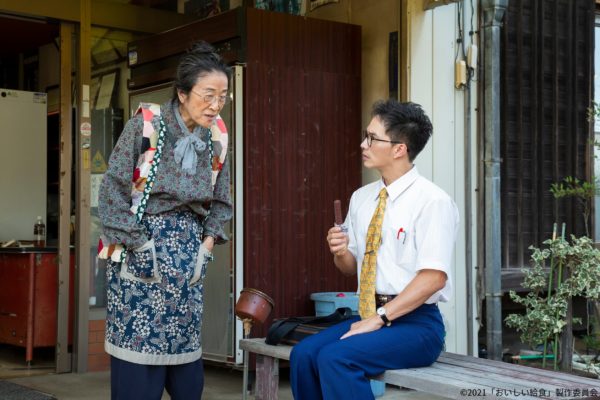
{"type": "Point", "coordinates": [432, 54]}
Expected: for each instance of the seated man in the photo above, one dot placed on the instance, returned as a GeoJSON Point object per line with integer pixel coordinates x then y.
{"type": "Point", "coordinates": [400, 238]}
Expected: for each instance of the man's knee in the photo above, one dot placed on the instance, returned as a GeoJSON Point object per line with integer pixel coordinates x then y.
{"type": "Point", "coordinates": [300, 354]}
{"type": "Point", "coordinates": [329, 358]}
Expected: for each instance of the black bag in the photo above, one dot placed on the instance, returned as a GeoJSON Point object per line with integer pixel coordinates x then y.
{"type": "Point", "coordinates": [294, 329]}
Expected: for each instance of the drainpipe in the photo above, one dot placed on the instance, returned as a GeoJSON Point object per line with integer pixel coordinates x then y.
{"type": "Point", "coordinates": [468, 220]}
{"type": "Point", "coordinates": [493, 12]}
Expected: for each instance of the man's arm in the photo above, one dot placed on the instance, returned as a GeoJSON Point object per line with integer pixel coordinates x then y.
{"type": "Point", "coordinates": [422, 287]}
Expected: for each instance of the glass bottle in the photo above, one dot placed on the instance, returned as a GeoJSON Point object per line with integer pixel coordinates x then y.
{"type": "Point", "coordinates": [39, 232]}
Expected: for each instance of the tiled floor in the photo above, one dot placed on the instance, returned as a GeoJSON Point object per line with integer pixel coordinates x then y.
{"type": "Point", "coordinates": [221, 383]}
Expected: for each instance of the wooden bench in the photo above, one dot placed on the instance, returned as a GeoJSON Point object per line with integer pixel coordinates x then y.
{"type": "Point", "coordinates": [452, 376]}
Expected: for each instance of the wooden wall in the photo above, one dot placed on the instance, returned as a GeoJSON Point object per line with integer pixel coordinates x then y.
{"type": "Point", "coordinates": [547, 77]}
{"type": "Point", "coordinates": [302, 123]}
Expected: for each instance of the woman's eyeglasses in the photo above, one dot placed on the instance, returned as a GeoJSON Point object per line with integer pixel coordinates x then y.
{"type": "Point", "coordinates": [210, 98]}
{"type": "Point", "coordinates": [369, 137]}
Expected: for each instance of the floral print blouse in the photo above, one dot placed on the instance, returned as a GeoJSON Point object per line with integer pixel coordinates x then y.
{"type": "Point", "coordinates": [173, 188]}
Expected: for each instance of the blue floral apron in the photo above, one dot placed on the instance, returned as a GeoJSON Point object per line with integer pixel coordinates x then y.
{"type": "Point", "coordinates": [155, 296]}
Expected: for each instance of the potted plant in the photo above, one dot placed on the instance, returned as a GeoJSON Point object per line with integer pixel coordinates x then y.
{"type": "Point", "coordinates": [574, 271]}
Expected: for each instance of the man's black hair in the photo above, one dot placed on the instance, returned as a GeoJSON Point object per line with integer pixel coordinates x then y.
{"type": "Point", "coordinates": [406, 123]}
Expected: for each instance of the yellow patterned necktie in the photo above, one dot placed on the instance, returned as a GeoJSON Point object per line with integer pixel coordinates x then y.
{"type": "Point", "coordinates": [368, 272]}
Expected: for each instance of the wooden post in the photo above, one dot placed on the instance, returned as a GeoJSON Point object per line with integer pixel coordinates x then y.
{"type": "Point", "coordinates": [84, 160]}
{"type": "Point", "coordinates": [63, 359]}
{"type": "Point", "coordinates": [404, 56]}
{"type": "Point", "coordinates": [267, 378]}
{"type": "Point", "coordinates": [566, 341]}
{"type": "Point", "coordinates": [30, 308]}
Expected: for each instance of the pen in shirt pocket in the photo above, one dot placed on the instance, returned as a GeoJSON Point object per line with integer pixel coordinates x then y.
{"type": "Point", "coordinates": [401, 234]}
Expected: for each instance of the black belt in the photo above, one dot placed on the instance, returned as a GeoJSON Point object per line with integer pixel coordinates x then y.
{"type": "Point", "coordinates": [382, 299]}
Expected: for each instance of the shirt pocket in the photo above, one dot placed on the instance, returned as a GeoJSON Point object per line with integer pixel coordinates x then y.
{"type": "Point", "coordinates": [402, 244]}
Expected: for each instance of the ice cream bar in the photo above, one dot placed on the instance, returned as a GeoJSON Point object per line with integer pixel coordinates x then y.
{"type": "Point", "coordinates": [337, 210]}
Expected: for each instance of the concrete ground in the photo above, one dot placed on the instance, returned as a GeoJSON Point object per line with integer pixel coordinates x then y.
{"type": "Point", "coordinates": [220, 384]}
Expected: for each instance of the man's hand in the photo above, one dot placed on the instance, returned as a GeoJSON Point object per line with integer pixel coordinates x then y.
{"type": "Point", "coordinates": [364, 326]}
{"type": "Point", "coordinates": [337, 241]}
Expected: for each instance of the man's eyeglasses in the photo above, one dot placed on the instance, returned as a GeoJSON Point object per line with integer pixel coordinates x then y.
{"type": "Point", "coordinates": [210, 98]}
{"type": "Point", "coordinates": [369, 137]}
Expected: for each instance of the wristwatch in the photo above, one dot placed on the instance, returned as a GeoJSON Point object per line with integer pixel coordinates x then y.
{"type": "Point", "coordinates": [383, 316]}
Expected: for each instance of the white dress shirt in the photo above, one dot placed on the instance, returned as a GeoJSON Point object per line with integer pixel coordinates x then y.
{"type": "Point", "coordinates": [418, 232]}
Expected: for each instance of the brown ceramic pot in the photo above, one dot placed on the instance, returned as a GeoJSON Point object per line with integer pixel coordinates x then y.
{"type": "Point", "coordinates": [254, 304]}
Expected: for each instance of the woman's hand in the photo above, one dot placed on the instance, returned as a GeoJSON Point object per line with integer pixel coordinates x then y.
{"type": "Point", "coordinates": [209, 243]}
{"type": "Point", "coordinates": [364, 326]}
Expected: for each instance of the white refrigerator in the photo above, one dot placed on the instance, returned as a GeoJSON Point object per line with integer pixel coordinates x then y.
{"type": "Point", "coordinates": [23, 153]}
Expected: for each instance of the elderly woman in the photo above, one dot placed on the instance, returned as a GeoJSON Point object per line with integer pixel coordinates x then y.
{"type": "Point", "coordinates": [163, 204]}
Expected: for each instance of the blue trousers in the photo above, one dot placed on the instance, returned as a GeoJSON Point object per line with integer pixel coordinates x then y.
{"type": "Point", "coordinates": [130, 381]}
{"type": "Point", "coordinates": [324, 367]}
